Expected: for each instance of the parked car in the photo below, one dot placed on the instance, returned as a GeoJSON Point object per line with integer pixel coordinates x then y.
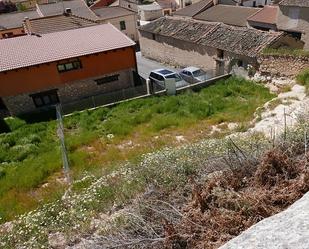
{"type": "Point", "coordinates": [193, 75]}
{"type": "Point", "coordinates": [158, 77]}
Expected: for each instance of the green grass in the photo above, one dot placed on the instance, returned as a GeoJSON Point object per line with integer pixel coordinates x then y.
{"type": "Point", "coordinates": [286, 51]}
{"type": "Point", "coordinates": [303, 79]}
{"type": "Point", "coordinates": [30, 153]}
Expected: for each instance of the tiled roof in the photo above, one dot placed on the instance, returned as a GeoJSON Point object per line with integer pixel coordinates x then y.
{"type": "Point", "coordinates": [168, 4]}
{"type": "Point", "coordinates": [266, 15]}
{"type": "Point", "coordinates": [15, 19]}
{"type": "Point", "coordinates": [33, 50]}
{"type": "Point", "coordinates": [228, 14]}
{"type": "Point", "coordinates": [101, 3]}
{"type": "Point", "coordinates": [299, 3]}
{"type": "Point", "coordinates": [57, 23]}
{"type": "Point", "coordinates": [194, 9]}
{"type": "Point", "coordinates": [78, 8]}
{"type": "Point", "coordinates": [112, 12]}
{"type": "Point", "coordinates": [149, 7]}
{"type": "Point", "coordinates": [238, 40]}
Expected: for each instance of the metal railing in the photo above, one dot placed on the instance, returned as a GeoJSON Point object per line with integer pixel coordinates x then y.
{"type": "Point", "coordinates": [144, 90]}
{"type": "Point", "coordinates": [104, 99]}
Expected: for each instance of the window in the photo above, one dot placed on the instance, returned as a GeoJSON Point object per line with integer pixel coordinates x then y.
{"type": "Point", "coordinates": [45, 98]}
{"type": "Point", "coordinates": [153, 37]}
{"type": "Point", "coordinates": [72, 65]}
{"type": "Point", "coordinates": [2, 105]}
{"type": "Point", "coordinates": [107, 79]}
{"type": "Point", "coordinates": [8, 35]}
{"type": "Point", "coordinates": [220, 53]}
{"type": "Point", "coordinates": [122, 25]}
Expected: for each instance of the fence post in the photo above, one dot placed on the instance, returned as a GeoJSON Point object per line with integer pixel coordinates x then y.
{"type": "Point", "coordinates": [148, 86]}
{"type": "Point", "coordinates": [60, 134]}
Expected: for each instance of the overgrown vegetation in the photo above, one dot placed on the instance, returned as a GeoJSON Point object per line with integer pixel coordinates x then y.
{"type": "Point", "coordinates": [286, 51]}
{"type": "Point", "coordinates": [303, 79]}
{"type": "Point", "coordinates": [30, 154]}
{"type": "Point", "coordinates": [196, 196]}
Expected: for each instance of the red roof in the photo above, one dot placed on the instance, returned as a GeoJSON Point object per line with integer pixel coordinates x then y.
{"type": "Point", "coordinates": [102, 3]}
{"type": "Point", "coordinates": [33, 50]}
{"type": "Point", "coordinates": [266, 15]}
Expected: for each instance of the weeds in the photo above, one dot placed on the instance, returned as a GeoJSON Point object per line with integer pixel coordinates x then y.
{"type": "Point", "coordinates": [31, 154]}
{"type": "Point", "coordinates": [303, 79]}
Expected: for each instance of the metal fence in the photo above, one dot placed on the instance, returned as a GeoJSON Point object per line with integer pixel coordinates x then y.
{"type": "Point", "coordinates": [133, 92]}
{"type": "Point", "coordinates": [104, 99]}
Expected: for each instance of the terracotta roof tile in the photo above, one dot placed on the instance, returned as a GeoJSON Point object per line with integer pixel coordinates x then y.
{"type": "Point", "coordinates": [299, 3]}
{"type": "Point", "coordinates": [32, 50]}
{"type": "Point", "coordinates": [78, 7]}
{"type": "Point", "coordinates": [57, 23]}
{"type": "Point", "coordinates": [228, 14]}
{"type": "Point", "coordinates": [238, 40]}
{"type": "Point", "coordinates": [15, 19]}
{"type": "Point", "coordinates": [112, 12]}
{"type": "Point", "coordinates": [194, 9]}
{"type": "Point", "coordinates": [266, 15]}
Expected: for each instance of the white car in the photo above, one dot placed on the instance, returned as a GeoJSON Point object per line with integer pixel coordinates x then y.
{"type": "Point", "coordinates": [158, 77]}
{"type": "Point", "coordinates": [193, 75]}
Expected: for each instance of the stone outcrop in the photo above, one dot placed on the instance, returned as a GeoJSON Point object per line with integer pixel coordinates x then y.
{"type": "Point", "coordinates": [286, 230]}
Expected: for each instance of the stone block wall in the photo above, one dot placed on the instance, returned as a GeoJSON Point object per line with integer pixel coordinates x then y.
{"type": "Point", "coordinates": [282, 65]}
{"type": "Point", "coordinates": [72, 91]}
{"type": "Point", "coordinates": [177, 53]}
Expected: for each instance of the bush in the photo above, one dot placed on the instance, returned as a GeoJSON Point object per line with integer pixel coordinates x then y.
{"type": "Point", "coordinates": [303, 79]}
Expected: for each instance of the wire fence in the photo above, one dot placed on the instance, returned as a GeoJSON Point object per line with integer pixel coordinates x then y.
{"type": "Point", "coordinates": [104, 99]}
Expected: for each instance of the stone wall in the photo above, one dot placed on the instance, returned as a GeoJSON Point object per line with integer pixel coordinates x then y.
{"type": "Point", "coordinates": [179, 53]}
{"type": "Point", "coordinates": [282, 65]}
{"type": "Point", "coordinates": [69, 92]}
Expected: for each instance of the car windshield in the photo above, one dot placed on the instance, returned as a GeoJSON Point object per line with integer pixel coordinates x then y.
{"type": "Point", "coordinates": [174, 76]}
{"type": "Point", "coordinates": [198, 73]}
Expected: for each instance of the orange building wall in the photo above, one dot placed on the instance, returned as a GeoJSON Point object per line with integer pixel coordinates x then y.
{"type": "Point", "coordinates": [35, 78]}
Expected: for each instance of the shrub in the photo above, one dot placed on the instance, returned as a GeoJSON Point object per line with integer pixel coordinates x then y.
{"type": "Point", "coordinates": [303, 79]}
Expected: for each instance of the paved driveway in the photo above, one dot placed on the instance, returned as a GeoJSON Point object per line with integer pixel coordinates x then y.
{"type": "Point", "coordinates": [145, 65]}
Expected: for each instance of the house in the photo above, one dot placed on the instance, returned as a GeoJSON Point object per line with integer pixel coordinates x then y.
{"type": "Point", "coordinates": [78, 7]}
{"type": "Point", "coordinates": [123, 19]}
{"type": "Point", "coordinates": [209, 45]}
{"type": "Point", "coordinates": [102, 3]}
{"type": "Point", "coordinates": [293, 18]}
{"type": "Point", "coordinates": [246, 3]}
{"type": "Point", "coordinates": [168, 6]}
{"type": "Point", "coordinates": [264, 19]}
{"type": "Point", "coordinates": [50, 24]}
{"type": "Point", "coordinates": [38, 71]}
{"type": "Point", "coordinates": [11, 23]}
{"type": "Point", "coordinates": [129, 4]}
{"type": "Point", "coordinates": [228, 14]}
{"type": "Point", "coordinates": [194, 9]}
{"type": "Point", "coordinates": [149, 12]}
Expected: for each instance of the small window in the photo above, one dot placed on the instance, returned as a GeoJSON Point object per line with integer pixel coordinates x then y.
{"type": "Point", "coordinates": [107, 79]}
{"type": "Point", "coordinates": [8, 35]}
{"type": "Point", "coordinates": [122, 25]}
{"type": "Point", "coordinates": [153, 37]}
{"type": "Point", "coordinates": [45, 98]}
{"type": "Point", "coordinates": [2, 105]}
{"type": "Point", "coordinates": [72, 65]}
{"type": "Point", "coordinates": [220, 53]}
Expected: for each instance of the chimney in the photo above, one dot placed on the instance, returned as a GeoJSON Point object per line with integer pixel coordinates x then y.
{"type": "Point", "coordinates": [67, 12]}
{"type": "Point", "coordinates": [27, 26]}
{"type": "Point", "coordinates": [215, 2]}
